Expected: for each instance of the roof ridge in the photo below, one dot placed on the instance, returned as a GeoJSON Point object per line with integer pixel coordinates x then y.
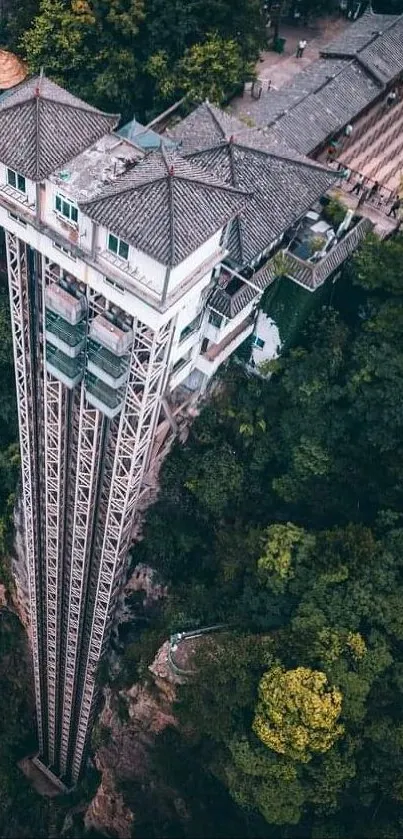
{"type": "Point", "coordinates": [214, 185]}
{"type": "Point", "coordinates": [171, 203]}
{"type": "Point", "coordinates": [311, 164]}
{"type": "Point", "coordinates": [213, 115]}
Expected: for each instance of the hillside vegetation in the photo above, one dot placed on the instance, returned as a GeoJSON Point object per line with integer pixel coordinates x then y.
{"type": "Point", "coordinates": [282, 517]}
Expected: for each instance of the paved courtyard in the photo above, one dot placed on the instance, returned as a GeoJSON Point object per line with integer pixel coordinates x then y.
{"type": "Point", "coordinates": [281, 68]}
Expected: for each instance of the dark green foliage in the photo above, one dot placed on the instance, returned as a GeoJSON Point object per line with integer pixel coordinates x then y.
{"type": "Point", "coordinates": [281, 517]}
{"type": "Point", "coordinates": [139, 55]}
{"type": "Point", "coordinates": [22, 812]}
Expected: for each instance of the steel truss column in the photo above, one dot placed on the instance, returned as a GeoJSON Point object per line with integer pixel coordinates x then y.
{"type": "Point", "coordinates": [88, 461]}
{"type": "Point", "coordinates": [21, 330]}
{"type": "Point", "coordinates": [55, 406]}
{"type": "Point", "coordinates": [148, 371]}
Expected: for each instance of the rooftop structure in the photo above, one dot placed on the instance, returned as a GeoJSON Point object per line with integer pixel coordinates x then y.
{"type": "Point", "coordinates": [166, 206]}
{"type": "Point", "coordinates": [283, 186]}
{"type": "Point", "coordinates": [43, 126]}
{"type": "Point", "coordinates": [352, 72]}
{"type": "Point", "coordinates": [12, 70]}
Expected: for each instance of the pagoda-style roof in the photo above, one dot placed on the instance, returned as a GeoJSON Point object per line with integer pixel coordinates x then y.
{"type": "Point", "coordinates": [284, 184]}
{"type": "Point", "coordinates": [166, 206]}
{"type": "Point", "coordinates": [13, 71]}
{"type": "Point", "coordinates": [42, 127]}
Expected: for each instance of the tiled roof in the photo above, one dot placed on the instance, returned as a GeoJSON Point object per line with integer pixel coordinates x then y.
{"type": "Point", "coordinates": [334, 89]}
{"type": "Point", "coordinates": [384, 57]}
{"type": "Point", "coordinates": [230, 306]}
{"type": "Point", "coordinates": [275, 103]}
{"type": "Point", "coordinates": [376, 41]}
{"type": "Point", "coordinates": [283, 187]}
{"type": "Point", "coordinates": [327, 110]}
{"type": "Point", "coordinates": [360, 34]}
{"type": "Point", "coordinates": [42, 127]}
{"type": "Point", "coordinates": [166, 206]}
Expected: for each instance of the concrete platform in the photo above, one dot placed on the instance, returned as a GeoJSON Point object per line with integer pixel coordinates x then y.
{"type": "Point", "coordinates": [41, 778]}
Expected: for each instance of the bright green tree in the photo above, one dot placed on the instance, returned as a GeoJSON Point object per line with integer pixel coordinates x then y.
{"type": "Point", "coordinates": [297, 712]}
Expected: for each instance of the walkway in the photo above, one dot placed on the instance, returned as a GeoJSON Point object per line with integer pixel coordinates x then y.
{"type": "Point", "coordinates": [376, 145]}
{"type": "Point", "coordinates": [280, 69]}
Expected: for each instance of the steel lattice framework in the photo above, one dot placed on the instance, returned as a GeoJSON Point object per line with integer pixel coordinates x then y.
{"type": "Point", "coordinates": [22, 344]}
{"type": "Point", "coordinates": [148, 367]}
{"type": "Point", "coordinates": [82, 476]}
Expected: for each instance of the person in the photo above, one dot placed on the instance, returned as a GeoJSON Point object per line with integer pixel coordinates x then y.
{"type": "Point", "coordinates": [358, 185]}
{"type": "Point", "coordinates": [373, 191]}
{"type": "Point", "coordinates": [391, 98]}
{"type": "Point", "coordinates": [301, 47]}
{"type": "Point", "coordinates": [395, 207]}
{"type": "Point", "coordinates": [348, 130]}
{"type": "Point", "coordinates": [344, 172]}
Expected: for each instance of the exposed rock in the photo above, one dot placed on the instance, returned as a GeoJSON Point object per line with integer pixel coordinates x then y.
{"type": "Point", "coordinates": [3, 596]}
{"type": "Point", "coordinates": [108, 812]}
{"type": "Point", "coordinates": [143, 579]}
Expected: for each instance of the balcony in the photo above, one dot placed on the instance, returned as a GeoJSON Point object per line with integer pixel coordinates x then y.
{"type": "Point", "coordinates": [232, 295]}
{"type": "Point", "coordinates": [112, 369]}
{"type": "Point", "coordinates": [312, 272]}
{"type": "Point", "coordinates": [66, 337]}
{"type": "Point", "coordinates": [104, 398]}
{"type": "Point", "coordinates": [63, 303]}
{"type": "Point", "coordinates": [68, 370]}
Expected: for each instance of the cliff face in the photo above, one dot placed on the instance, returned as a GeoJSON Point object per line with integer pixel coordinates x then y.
{"type": "Point", "coordinates": [132, 792]}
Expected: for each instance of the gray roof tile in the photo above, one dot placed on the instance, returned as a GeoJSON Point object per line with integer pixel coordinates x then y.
{"type": "Point", "coordinates": [357, 36]}
{"type": "Point", "coordinates": [284, 186]}
{"type": "Point", "coordinates": [42, 127]}
{"type": "Point", "coordinates": [332, 91]}
{"type": "Point", "coordinates": [326, 111]}
{"type": "Point", "coordinates": [166, 206]}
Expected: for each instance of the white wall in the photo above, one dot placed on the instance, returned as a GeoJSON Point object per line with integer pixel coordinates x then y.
{"type": "Point", "coordinates": [266, 329]}
{"type": "Point", "coordinates": [147, 271]}
{"type": "Point", "coordinates": [190, 265]}
{"type": "Point", "coordinates": [78, 235]}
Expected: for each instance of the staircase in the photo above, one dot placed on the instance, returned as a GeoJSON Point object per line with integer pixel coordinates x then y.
{"type": "Point", "coordinates": [376, 147]}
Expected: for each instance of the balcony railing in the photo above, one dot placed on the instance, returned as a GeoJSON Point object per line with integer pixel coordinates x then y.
{"type": "Point", "coordinates": [68, 370]}
{"type": "Point", "coordinates": [102, 396]}
{"type": "Point", "coordinates": [66, 334]}
{"type": "Point", "coordinates": [312, 275]}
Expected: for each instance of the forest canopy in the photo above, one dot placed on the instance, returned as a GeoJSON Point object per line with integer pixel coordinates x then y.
{"type": "Point", "coordinates": [281, 519]}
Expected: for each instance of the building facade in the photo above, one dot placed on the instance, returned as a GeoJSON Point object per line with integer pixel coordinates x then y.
{"type": "Point", "coordinates": [119, 297]}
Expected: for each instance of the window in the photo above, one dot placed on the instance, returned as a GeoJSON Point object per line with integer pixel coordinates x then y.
{"type": "Point", "coordinates": [215, 319]}
{"type": "Point", "coordinates": [191, 327]}
{"type": "Point", "coordinates": [66, 209]}
{"type": "Point", "coordinates": [118, 246]}
{"type": "Point", "coordinates": [15, 180]}
{"type": "Point", "coordinates": [258, 343]}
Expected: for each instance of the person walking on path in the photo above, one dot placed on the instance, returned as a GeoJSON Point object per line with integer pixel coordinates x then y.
{"type": "Point", "coordinates": [358, 185]}
{"type": "Point", "coordinates": [395, 207]}
{"type": "Point", "coordinates": [301, 47]}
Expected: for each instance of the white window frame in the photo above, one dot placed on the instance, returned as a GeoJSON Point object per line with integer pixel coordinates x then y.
{"type": "Point", "coordinates": [120, 242]}
{"type": "Point", "coordinates": [59, 212]}
{"type": "Point", "coordinates": [17, 175]}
